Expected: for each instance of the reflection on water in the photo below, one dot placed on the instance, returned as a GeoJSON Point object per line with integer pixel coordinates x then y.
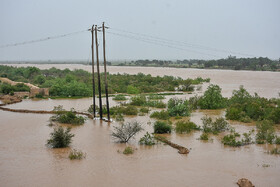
{"type": "Point", "coordinates": [26, 161]}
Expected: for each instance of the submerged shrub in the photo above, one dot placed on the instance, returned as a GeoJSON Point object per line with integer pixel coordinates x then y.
{"type": "Point", "coordinates": [230, 140]}
{"type": "Point", "coordinates": [212, 98]}
{"type": "Point", "coordinates": [139, 100]}
{"type": "Point", "coordinates": [68, 117]}
{"type": "Point", "coordinates": [128, 150]}
{"type": "Point", "coordinates": [217, 126]}
{"type": "Point", "coordinates": [155, 97]}
{"type": "Point", "coordinates": [204, 136]}
{"type": "Point", "coordinates": [178, 107]}
{"type": "Point", "coordinates": [60, 138]}
{"type": "Point", "coordinates": [162, 115]}
{"type": "Point", "coordinates": [144, 110]}
{"type": "Point", "coordinates": [185, 127]}
{"type": "Point", "coordinates": [126, 131]}
{"type": "Point", "coordinates": [275, 151]}
{"type": "Point", "coordinates": [76, 155]}
{"type": "Point", "coordinates": [161, 127]}
{"type": "Point", "coordinates": [147, 139]}
{"type": "Point", "coordinates": [265, 132]}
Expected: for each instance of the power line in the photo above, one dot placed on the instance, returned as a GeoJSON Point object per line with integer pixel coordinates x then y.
{"type": "Point", "coordinates": [201, 47]}
{"type": "Point", "coordinates": [42, 39]}
{"type": "Point", "coordinates": [161, 43]}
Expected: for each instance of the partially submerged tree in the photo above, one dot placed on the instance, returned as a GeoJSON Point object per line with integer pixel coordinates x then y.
{"type": "Point", "coordinates": [126, 131]}
{"type": "Point", "coordinates": [60, 138]}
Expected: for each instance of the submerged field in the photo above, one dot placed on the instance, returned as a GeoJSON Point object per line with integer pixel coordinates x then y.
{"type": "Point", "coordinates": [26, 161]}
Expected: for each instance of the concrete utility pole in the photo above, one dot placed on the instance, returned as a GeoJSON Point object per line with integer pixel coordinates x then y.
{"type": "Point", "coordinates": [105, 73]}
{"type": "Point", "coordinates": [98, 75]}
{"type": "Point", "coordinates": [93, 82]}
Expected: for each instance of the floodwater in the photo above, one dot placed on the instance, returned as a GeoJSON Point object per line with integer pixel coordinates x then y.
{"type": "Point", "coordinates": [26, 161]}
{"type": "Point", "coordinates": [265, 83]}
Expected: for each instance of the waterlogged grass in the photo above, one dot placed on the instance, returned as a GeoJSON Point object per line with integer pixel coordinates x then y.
{"type": "Point", "coordinates": [161, 115]}
{"type": "Point", "coordinates": [185, 127]}
{"type": "Point", "coordinates": [161, 127]}
{"type": "Point", "coordinates": [128, 150]}
{"type": "Point", "coordinates": [76, 155]}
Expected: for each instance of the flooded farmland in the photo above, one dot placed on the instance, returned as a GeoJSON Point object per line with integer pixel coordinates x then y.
{"type": "Point", "coordinates": [26, 161]}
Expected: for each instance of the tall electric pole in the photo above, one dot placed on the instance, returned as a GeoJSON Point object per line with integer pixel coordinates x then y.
{"type": "Point", "coordinates": [105, 73]}
{"type": "Point", "coordinates": [93, 82]}
{"type": "Point", "coordinates": [98, 74]}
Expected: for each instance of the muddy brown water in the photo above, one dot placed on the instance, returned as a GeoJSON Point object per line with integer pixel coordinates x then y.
{"type": "Point", "coordinates": [26, 161]}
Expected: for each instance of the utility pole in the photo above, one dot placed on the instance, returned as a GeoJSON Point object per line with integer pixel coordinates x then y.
{"type": "Point", "coordinates": [98, 74]}
{"type": "Point", "coordinates": [105, 73]}
{"type": "Point", "coordinates": [93, 82]}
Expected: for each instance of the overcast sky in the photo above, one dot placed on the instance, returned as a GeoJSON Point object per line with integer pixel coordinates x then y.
{"type": "Point", "coordinates": [223, 27]}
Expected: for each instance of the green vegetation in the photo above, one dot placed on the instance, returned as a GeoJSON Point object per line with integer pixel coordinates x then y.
{"type": "Point", "coordinates": [204, 136]}
{"type": "Point", "coordinates": [185, 127]}
{"type": "Point", "coordinates": [231, 140]}
{"type": "Point", "coordinates": [212, 98]}
{"type": "Point", "coordinates": [155, 97]}
{"type": "Point", "coordinates": [275, 151]}
{"type": "Point", "coordinates": [141, 100]}
{"type": "Point", "coordinates": [215, 127]}
{"type": "Point", "coordinates": [68, 117]}
{"type": "Point", "coordinates": [60, 138]}
{"type": "Point", "coordinates": [265, 132]}
{"type": "Point", "coordinates": [119, 98]}
{"type": "Point", "coordinates": [259, 64]}
{"type": "Point", "coordinates": [79, 82]}
{"type": "Point", "coordinates": [124, 132]}
{"type": "Point", "coordinates": [6, 88]}
{"type": "Point", "coordinates": [128, 150]}
{"type": "Point", "coordinates": [162, 115]}
{"type": "Point", "coordinates": [147, 139]}
{"type": "Point", "coordinates": [161, 127]}
{"type": "Point", "coordinates": [125, 110]}
{"type": "Point", "coordinates": [144, 110]}
{"type": "Point", "coordinates": [76, 155]}
{"type": "Point", "coordinates": [178, 107]}
{"type": "Point", "coordinates": [246, 108]}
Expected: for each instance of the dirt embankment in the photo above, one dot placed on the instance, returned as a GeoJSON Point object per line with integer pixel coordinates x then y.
{"type": "Point", "coordinates": [13, 83]}
{"type": "Point", "coordinates": [8, 99]}
{"type": "Point", "coordinates": [181, 149]}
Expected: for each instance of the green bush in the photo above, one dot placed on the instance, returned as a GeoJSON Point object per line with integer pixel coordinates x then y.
{"type": "Point", "coordinates": [155, 97]}
{"type": "Point", "coordinates": [212, 98]}
{"type": "Point", "coordinates": [128, 150]}
{"type": "Point", "coordinates": [76, 155]}
{"type": "Point", "coordinates": [147, 139]}
{"type": "Point", "coordinates": [185, 127]}
{"type": "Point", "coordinates": [178, 107]}
{"type": "Point", "coordinates": [139, 100]}
{"type": "Point", "coordinates": [60, 138]}
{"type": "Point", "coordinates": [161, 127]}
{"type": "Point", "coordinates": [162, 115]}
{"type": "Point", "coordinates": [132, 90]}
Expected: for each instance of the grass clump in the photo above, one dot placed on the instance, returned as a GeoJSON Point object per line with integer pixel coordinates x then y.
{"type": "Point", "coordinates": [162, 115]}
{"type": "Point", "coordinates": [231, 139]}
{"type": "Point", "coordinates": [185, 127]}
{"type": "Point", "coordinates": [76, 155]}
{"type": "Point", "coordinates": [155, 97]}
{"type": "Point", "coordinates": [60, 138]}
{"type": "Point", "coordinates": [126, 131]}
{"type": "Point", "coordinates": [161, 127]}
{"type": "Point", "coordinates": [128, 150]}
{"type": "Point", "coordinates": [147, 139]}
{"type": "Point", "coordinates": [204, 136]}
